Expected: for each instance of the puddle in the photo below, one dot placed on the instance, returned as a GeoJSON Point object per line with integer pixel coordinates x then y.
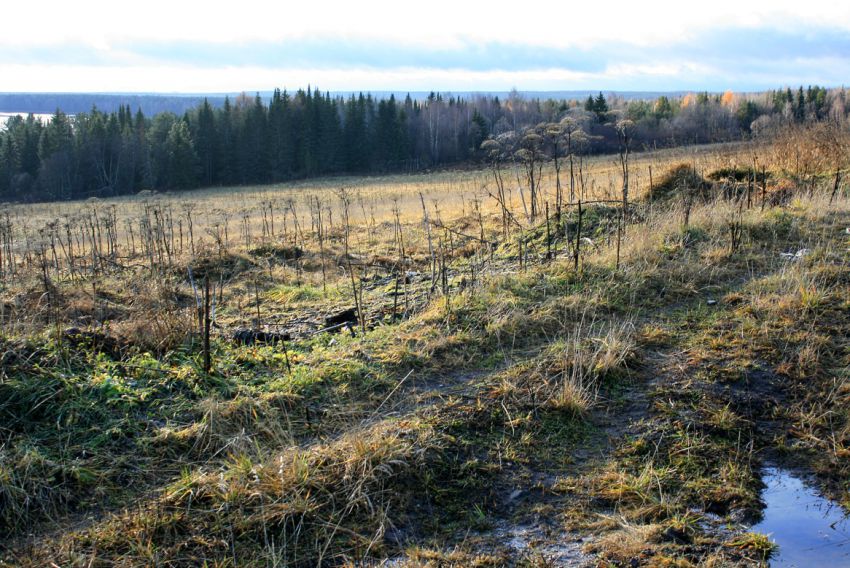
{"type": "Point", "coordinates": [810, 530]}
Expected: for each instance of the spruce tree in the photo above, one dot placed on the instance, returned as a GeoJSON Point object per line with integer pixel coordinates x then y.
{"type": "Point", "coordinates": [8, 164]}
{"type": "Point", "coordinates": [479, 131]}
{"type": "Point", "coordinates": [330, 135]}
{"type": "Point", "coordinates": [227, 144]}
{"type": "Point", "coordinates": [56, 157]}
{"type": "Point", "coordinates": [355, 134]}
{"type": "Point", "coordinates": [280, 137]}
{"type": "Point", "coordinates": [27, 136]}
{"type": "Point", "coordinates": [600, 106]}
{"type": "Point", "coordinates": [181, 172]}
{"type": "Point", "coordinates": [206, 143]}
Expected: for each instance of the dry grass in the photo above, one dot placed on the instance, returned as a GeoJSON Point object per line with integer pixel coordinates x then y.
{"type": "Point", "coordinates": [326, 503]}
{"type": "Point", "coordinates": [569, 373]}
{"type": "Point", "coordinates": [626, 542]}
{"type": "Point", "coordinates": [325, 454]}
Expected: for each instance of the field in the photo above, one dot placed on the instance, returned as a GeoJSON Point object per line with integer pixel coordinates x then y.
{"type": "Point", "coordinates": [418, 371]}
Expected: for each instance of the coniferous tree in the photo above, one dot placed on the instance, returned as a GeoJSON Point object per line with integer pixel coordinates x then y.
{"type": "Point", "coordinates": [56, 155]}
{"type": "Point", "coordinates": [331, 135]}
{"type": "Point", "coordinates": [312, 133]}
{"type": "Point", "coordinates": [747, 112]}
{"type": "Point", "coordinates": [112, 156]}
{"type": "Point", "coordinates": [206, 143]}
{"type": "Point", "coordinates": [820, 102]}
{"type": "Point", "coordinates": [479, 131]}
{"type": "Point", "coordinates": [27, 134]}
{"type": "Point", "coordinates": [259, 128]}
{"type": "Point", "coordinates": [600, 106]}
{"type": "Point", "coordinates": [160, 128]}
{"type": "Point", "coordinates": [280, 137]}
{"type": "Point", "coordinates": [663, 108]}
{"type": "Point", "coordinates": [355, 134]}
{"type": "Point", "coordinates": [314, 140]}
{"type": "Point", "coordinates": [303, 135]}
{"type": "Point", "coordinates": [251, 140]}
{"type": "Point", "coordinates": [800, 107]}
{"type": "Point", "coordinates": [227, 144]}
{"type": "Point", "coordinates": [8, 165]}
{"type": "Point", "coordinates": [182, 162]}
{"type": "Point", "coordinates": [142, 173]}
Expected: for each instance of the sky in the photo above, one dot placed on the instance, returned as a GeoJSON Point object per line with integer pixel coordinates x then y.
{"type": "Point", "coordinates": [184, 46]}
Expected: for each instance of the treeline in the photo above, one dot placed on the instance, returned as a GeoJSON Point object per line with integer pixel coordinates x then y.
{"type": "Point", "coordinates": [251, 141]}
{"type": "Point", "coordinates": [702, 117]}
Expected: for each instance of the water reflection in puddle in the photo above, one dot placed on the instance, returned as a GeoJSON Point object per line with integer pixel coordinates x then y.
{"type": "Point", "coordinates": [810, 530]}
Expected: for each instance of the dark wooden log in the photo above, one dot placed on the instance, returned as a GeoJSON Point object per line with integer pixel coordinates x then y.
{"type": "Point", "coordinates": [348, 316]}
{"type": "Point", "coordinates": [247, 336]}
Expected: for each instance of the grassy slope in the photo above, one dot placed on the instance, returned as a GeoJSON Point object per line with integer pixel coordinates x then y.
{"type": "Point", "coordinates": [618, 402]}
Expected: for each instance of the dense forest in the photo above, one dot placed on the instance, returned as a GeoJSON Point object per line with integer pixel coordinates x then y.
{"type": "Point", "coordinates": [251, 141]}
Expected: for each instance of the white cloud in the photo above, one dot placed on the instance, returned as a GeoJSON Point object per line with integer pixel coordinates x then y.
{"type": "Point", "coordinates": [60, 33]}
{"type": "Point", "coordinates": [545, 22]}
{"type": "Point", "coordinates": [64, 78]}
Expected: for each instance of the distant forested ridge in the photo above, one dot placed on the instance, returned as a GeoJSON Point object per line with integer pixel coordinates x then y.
{"type": "Point", "coordinates": [150, 104]}
{"type": "Point", "coordinates": [75, 103]}
{"type": "Point", "coordinates": [253, 140]}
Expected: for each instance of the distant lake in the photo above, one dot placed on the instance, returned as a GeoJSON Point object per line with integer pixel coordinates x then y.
{"type": "Point", "coordinates": [4, 116]}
